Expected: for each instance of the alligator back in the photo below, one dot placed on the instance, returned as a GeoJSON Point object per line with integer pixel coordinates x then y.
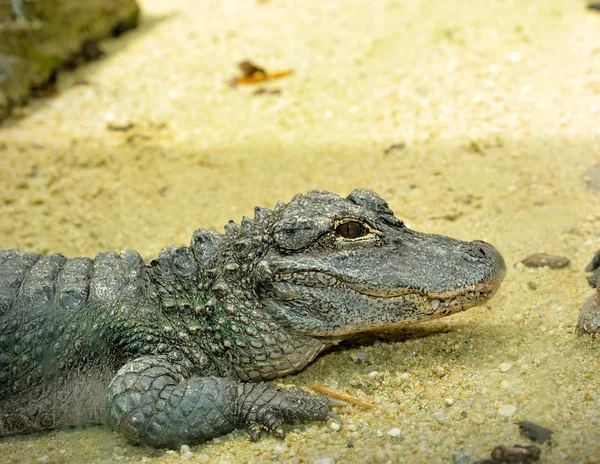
{"type": "Point", "coordinates": [54, 360]}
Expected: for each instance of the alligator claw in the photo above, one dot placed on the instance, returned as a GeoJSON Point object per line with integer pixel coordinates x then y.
{"type": "Point", "coordinates": [335, 417]}
{"type": "Point", "coordinates": [254, 431]}
{"type": "Point", "coordinates": [270, 423]}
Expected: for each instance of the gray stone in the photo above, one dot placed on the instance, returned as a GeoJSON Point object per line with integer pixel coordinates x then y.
{"type": "Point", "coordinates": [37, 38]}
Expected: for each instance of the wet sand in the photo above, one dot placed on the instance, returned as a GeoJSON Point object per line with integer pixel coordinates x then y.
{"type": "Point", "coordinates": [496, 107]}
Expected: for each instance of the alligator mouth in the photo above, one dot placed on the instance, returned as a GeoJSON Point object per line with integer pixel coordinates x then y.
{"type": "Point", "coordinates": [319, 278]}
{"type": "Point", "coordinates": [440, 302]}
{"type": "Point", "coordinates": [483, 288]}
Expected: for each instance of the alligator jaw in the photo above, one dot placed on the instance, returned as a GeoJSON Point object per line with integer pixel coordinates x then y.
{"type": "Point", "coordinates": [486, 288]}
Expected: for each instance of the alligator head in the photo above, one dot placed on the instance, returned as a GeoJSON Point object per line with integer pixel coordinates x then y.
{"type": "Point", "coordinates": [331, 267]}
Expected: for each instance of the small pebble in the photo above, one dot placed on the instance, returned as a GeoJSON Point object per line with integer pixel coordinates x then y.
{"type": "Point", "coordinates": [594, 263]}
{"type": "Point", "coordinates": [535, 432]}
{"type": "Point", "coordinates": [518, 318]}
{"type": "Point", "coordinates": [543, 259]}
{"type": "Point", "coordinates": [516, 453]}
{"type": "Point", "coordinates": [359, 356]}
{"type": "Point", "coordinates": [119, 126]}
{"type": "Point", "coordinates": [439, 371]}
{"type": "Point", "coordinates": [325, 460]}
{"type": "Point", "coordinates": [532, 285]}
{"type": "Point", "coordinates": [395, 432]}
{"type": "Point", "coordinates": [478, 419]}
{"type": "Point", "coordinates": [461, 457]}
{"type": "Point", "coordinates": [334, 426]}
{"type": "Point", "coordinates": [440, 416]}
{"type": "Point", "coordinates": [395, 146]}
{"type": "Point", "coordinates": [202, 458]}
{"type": "Point", "coordinates": [507, 410]}
{"type": "Point", "coordinates": [505, 366]}
{"type": "Point", "coordinates": [448, 401]}
{"type": "Point", "coordinates": [44, 458]}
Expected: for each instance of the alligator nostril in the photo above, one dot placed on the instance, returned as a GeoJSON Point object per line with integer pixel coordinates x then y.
{"type": "Point", "coordinates": [476, 249]}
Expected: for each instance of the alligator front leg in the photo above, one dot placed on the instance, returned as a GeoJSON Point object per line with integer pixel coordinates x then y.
{"type": "Point", "coordinates": [154, 402]}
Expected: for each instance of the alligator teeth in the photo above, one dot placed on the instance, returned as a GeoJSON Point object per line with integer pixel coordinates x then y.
{"type": "Point", "coordinates": [435, 304]}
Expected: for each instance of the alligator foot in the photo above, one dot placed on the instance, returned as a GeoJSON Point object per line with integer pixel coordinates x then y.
{"type": "Point", "coordinates": [153, 402]}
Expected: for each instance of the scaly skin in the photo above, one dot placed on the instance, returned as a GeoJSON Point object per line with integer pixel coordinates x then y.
{"type": "Point", "coordinates": [163, 350]}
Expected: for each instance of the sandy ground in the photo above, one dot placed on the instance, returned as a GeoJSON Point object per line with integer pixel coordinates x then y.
{"type": "Point", "coordinates": [497, 105]}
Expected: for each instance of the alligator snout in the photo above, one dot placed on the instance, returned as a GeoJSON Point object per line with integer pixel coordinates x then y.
{"type": "Point", "coordinates": [479, 249]}
{"type": "Point", "coordinates": [485, 254]}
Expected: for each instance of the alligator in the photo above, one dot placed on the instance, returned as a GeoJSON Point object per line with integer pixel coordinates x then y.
{"type": "Point", "coordinates": [176, 350]}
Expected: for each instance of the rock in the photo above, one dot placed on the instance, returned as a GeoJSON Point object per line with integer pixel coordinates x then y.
{"type": "Point", "coordinates": [516, 453]}
{"type": "Point", "coordinates": [594, 268]}
{"type": "Point", "coordinates": [59, 34]}
{"type": "Point", "coordinates": [589, 315]}
{"type": "Point", "coordinates": [535, 432]}
{"type": "Point", "coordinates": [543, 259]}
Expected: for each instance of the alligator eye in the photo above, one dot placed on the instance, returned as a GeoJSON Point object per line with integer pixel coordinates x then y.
{"type": "Point", "coordinates": [351, 229]}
